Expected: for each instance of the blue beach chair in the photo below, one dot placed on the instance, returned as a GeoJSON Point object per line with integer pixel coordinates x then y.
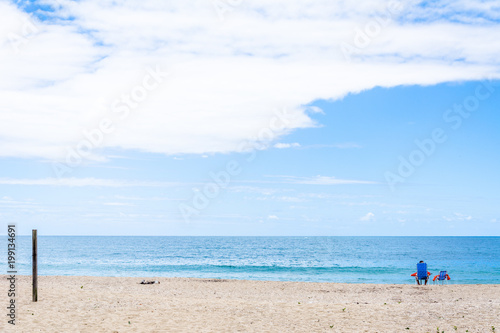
{"type": "Point", "coordinates": [422, 272]}
{"type": "Point", "coordinates": [443, 277]}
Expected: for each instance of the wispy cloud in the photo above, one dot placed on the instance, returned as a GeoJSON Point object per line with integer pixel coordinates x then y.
{"type": "Point", "coordinates": [286, 145]}
{"type": "Point", "coordinates": [344, 145]}
{"type": "Point", "coordinates": [317, 180]}
{"type": "Point", "coordinates": [80, 182]}
{"type": "Point", "coordinates": [322, 180]}
{"type": "Point", "coordinates": [117, 204]}
{"type": "Point", "coordinates": [10, 202]}
{"type": "Point", "coordinates": [457, 217]}
{"type": "Point", "coordinates": [100, 182]}
{"type": "Point", "coordinates": [368, 217]}
{"type": "Point", "coordinates": [280, 198]}
{"type": "Point", "coordinates": [256, 189]}
{"type": "Point", "coordinates": [121, 197]}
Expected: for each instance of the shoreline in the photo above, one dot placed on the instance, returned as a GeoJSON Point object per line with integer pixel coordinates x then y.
{"type": "Point", "coordinates": [411, 280]}
{"type": "Point", "coordinates": [108, 304]}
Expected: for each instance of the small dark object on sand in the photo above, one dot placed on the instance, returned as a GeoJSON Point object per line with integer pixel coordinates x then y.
{"type": "Point", "coordinates": [149, 282]}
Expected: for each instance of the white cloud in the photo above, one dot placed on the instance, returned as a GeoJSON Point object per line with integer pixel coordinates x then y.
{"type": "Point", "coordinates": [463, 217]}
{"type": "Point", "coordinates": [286, 145]}
{"type": "Point", "coordinates": [79, 182]}
{"type": "Point", "coordinates": [344, 145]}
{"type": "Point", "coordinates": [272, 217]}
{"type": "Point", "coordinates": [10, 203]}
{"type": "Point", "coordinates": [289, 199]}
{"type": "Point", "coordinates": [317, 180]}
{"type": "Point", "coordinates": [368, 217]}
{"type": "Point", "coordinates": [255, 189]}
{"type": "Point", "coordinates": [457, 217]}
{"type": "Point", "coordinates": [280, 198]}
{"type": "Point", "coordinates": [121, 197]}
{"type": "Point", "coordinates": [323, 180]}
{"type": "Point", "coordinates": [225, 79]}
{"type": "Point", "coordinates": [117, 204]}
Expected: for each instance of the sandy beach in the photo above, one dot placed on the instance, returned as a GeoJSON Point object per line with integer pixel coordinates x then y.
{"type": "Point", "coordinates": [111, 304]}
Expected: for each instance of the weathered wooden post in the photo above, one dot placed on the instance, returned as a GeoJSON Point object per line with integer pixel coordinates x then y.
{"type": "Point", "coordinates": [35, 267]}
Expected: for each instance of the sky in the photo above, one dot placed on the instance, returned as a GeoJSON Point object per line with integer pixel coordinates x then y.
{"type": "Point", "coordinates": [218, 117]}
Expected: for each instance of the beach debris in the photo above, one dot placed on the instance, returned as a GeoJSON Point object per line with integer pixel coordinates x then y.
{"type": "Point", "coordinates": [150, 282]}
{"type": "Point", "coordinates": [215, 280]}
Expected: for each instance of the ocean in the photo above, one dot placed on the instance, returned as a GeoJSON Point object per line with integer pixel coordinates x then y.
{"type": "Point", "coordinates": [468, 260]}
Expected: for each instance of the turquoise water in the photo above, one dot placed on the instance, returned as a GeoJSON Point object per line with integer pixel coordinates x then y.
{"type": "Point", "coordinates": [468, 260]}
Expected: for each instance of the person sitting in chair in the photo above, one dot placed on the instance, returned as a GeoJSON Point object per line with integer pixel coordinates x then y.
{"type": "Point", "coordinates": [420, 274]}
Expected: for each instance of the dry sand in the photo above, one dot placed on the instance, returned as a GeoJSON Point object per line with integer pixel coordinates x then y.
{"type": "Point", "coordinates": [110, 304]}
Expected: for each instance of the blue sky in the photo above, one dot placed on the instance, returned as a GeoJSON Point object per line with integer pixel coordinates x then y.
{"type": "Point", "coordinates": [157, 124]}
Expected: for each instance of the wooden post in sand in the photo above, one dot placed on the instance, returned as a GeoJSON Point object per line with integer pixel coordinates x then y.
{"type": "Point", "coordinates": [35, 267]}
